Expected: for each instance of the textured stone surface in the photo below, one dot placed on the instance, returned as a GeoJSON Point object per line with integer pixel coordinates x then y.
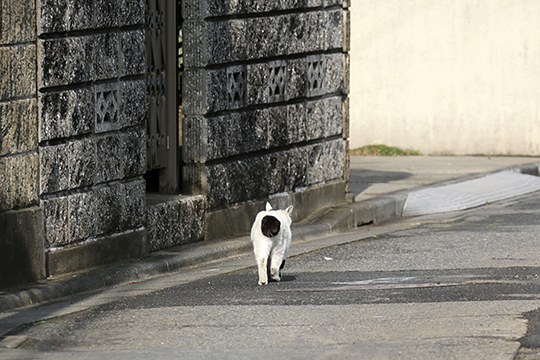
{"type": "Point", "coordinates": [67, 113]}
{"type": "Point", "coordinates": [15, 193]}
{"type": "Point", "coordinates": [92, 57]}
{"type": "Point", "coordinates": [18, 130]}
{"type": "Point", "coordinates": [65, 15]}
{"type": "Point", "coordinates": [254, 130]}
{"type": "Point", "coordinates": [196, 9]}
{"type": "Point", "coordinates": [18, 21]}
{"type": "Point", "coordinates": [54, 168]}
{"type": "Point", "coordinates": [107, 209]}
{"type": "Point", "coordinates": [262, 175]}
{"type": "Point", "coordinates": [223, 41]}
{"type": "Point", "coordinates": [66, 60]}
{"type": "Point", "coordinates": [69, 15]}
{"type": "Point", "coordinates": [175, 220]}
{"type": "Point", "coordinates": [208, 91]}
{"type": "Point", "coordinates": [132, 52]}
{"type": "Point", "coordinates": [17, 66]}
{"type": "Point", "coordinates": [90, 161]}
{"type": "Point", "coordinates": [106, 51]}
{"type": "Point", "coordinates": [22, 250]}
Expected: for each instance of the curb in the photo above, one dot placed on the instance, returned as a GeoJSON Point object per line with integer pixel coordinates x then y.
{"type": "Point", "coordinates": [341, 218]}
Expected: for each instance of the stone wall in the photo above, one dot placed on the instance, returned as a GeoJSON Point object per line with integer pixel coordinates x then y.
{"type": "Point", "coordinates": [21, 233]}
{"type": "Point", "coordinates": [92, 107]}
{"type": "Point", "coordinates": [265, 97]}
{"type": "Point", "coordinates": [266, 115]}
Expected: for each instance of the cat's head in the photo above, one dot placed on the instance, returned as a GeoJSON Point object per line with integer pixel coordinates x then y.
{"type": "Point", "coordinates": [271, 222]}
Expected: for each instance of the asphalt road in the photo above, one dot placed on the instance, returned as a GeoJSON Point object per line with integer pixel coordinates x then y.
{"type": "Point", "coordinates": [456, 286]}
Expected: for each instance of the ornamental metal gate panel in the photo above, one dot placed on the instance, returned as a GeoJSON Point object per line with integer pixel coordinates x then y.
{"type": "Point", "coordinates": [163, 127]}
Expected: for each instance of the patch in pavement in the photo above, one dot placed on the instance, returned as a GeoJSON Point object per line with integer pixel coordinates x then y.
{"type": "Point", "coordinates": [469, 194]}
{"type": "Point", "coordinates": [344, 288]}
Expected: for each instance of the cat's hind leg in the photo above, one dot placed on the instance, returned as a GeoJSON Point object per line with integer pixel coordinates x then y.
{"type": "Point", "coordinates": [276, 265]}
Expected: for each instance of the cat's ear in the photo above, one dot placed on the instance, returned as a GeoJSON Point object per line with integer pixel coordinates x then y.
{"type": "Point", "coordinates": [289, 209]}
{"type": "Point", "coordinates": [268, 206]}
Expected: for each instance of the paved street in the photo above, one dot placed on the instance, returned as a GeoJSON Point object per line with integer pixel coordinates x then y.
{"type": "Point", "coordinates": [456, 286]}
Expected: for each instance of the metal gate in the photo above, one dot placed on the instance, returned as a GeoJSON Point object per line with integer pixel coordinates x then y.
{"type": "Point", "coordinates": [163, 125]}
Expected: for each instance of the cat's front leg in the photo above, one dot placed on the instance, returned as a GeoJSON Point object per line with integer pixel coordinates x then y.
{"type": "Point", "coordinates": [263, 276]}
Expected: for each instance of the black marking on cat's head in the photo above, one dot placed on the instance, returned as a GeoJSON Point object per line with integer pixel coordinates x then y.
{"type": "Point", "coordinates": [270, 226]}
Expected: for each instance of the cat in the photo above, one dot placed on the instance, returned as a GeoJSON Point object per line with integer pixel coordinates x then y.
{"type": "Point", "coordinates": [271, 236]}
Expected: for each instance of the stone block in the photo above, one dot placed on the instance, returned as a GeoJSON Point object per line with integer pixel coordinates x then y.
{"type": "Point", "coordinates": [54, 168]}
{"type": "Point", "coordinates": [346, 30]}
{"type": "Point", "coordinates": [175, 220]}
{"type": "Point", "coordinates": [66, 61]}
{"type": "Point", "coordinates": [107, 13]}
{"type": "Point", "coordinates": [326, 162]}
{"type": "Point", "coordinates": [296, 123]}
{"type": "Point", "coordinates": [65, 15]}
{"type": "Point", "coordinates": [324, 118]}
{"type": "Point", "coordinates": [268, 36]}
{"type": "Point", "coordinates": [109, 158]}
{"type": "Point", "coordinates": [56, 219]}
{"type": "Point", "coordinates": [22, 249]}
{"type": "Point", "coordinates": [106, 209]}
{"type": "Point", "coordinates": [277, 126]}
{"type": "Point", "coordinates": [119, 207]}
{"type": "Point", "coordinates": [195, 140]}
{"type": "Point", "coordinates": [23, 70]}
{"type": "Point", "coordinates": [81, 162]}
{"type": "Point", "coordinates": [257, 78]}
{"type": "Point", "coordinates": [257, 6]}
{"type": "Point", "coordinates": [334, 81]}
{"type": "Point", "coordinates": [263, 175]}
{"type": "Point", "coordinates": [18, 21]}
{"type": "Point", "coordinates": [346, 118]}
{"type": "Point", "coordinates": [82, 209]}
{"type": "Point", "coordinates": [109, 204]}
{"type": "Point", "coordinates": [195, 43]}
{"type": "Point", "coordinates": [107, 55]}
{"type": "Point", "coordinates": [66, 113]}
{"type": "Point", "coordinates": [214, 42]}
{"type": "Point", "coordinates": [296, 84]}
{"type": "Point", "coordinates": [195, 91]}
{"type": "Point", "coordinates": [5, 184]}
{"type": "Point", "coordinates": [100, 251]}
{"type": "Point", "coordinates": [334, 29]}
{"type": "Point", "coordinates": [17, 66]}
{"type": "Point", "coordinates": [286, 34]}
{"type": "Point", "coordinates": [196, 9]}
{"type": "Point", "coordinates": [132, 52]}
{"type": "Point", "coordinates": [207, 91]}
{"type": "Point", "coordinates": [14, 193]}
{"type": "Point", "coordinates": [226, 41]}
{"type": "Point", "coordinates": [134, 103]}
{"type": "Point", "coordinates": [67, 166]}
{"type": "Point", "coordinates": [134, 154]}
{"type": "Point", "coordinates": [18, 130]}
{"type": "Point", "coordinates": [132, 12]}
{"type": "Point", "coordinates": [132, 196]}
{"type": "Point", "coordinates": [6, 56]}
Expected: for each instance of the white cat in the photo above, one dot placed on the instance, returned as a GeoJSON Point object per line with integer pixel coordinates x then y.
{"type": "Point", "coordinates": [271, 237]}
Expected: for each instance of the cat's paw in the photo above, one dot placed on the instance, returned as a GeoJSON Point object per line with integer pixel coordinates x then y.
{"type": "Point", "coordinates": [275, 274]}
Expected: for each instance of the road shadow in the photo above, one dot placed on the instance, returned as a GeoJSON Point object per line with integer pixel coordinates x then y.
{"type": "Point", "coordinates": [361, 179]}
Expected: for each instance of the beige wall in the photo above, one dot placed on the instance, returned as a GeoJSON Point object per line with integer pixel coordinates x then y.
{"type": "Point", "coordinates": [446, 76]}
